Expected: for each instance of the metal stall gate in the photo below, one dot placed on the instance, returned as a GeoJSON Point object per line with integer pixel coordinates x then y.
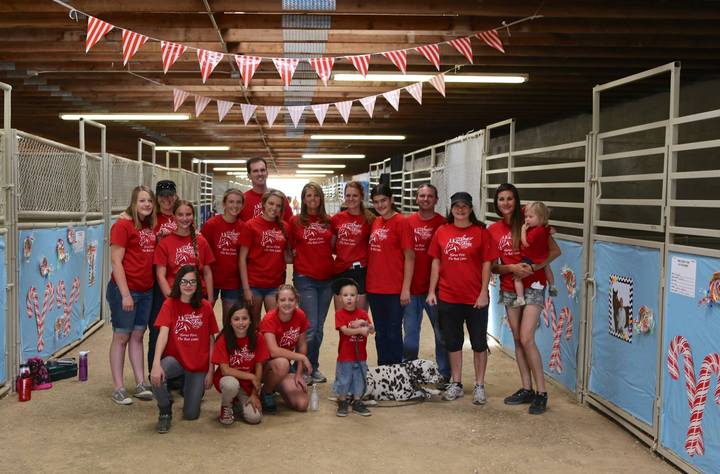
{"type": "Point", "coordinates": [556, 175]}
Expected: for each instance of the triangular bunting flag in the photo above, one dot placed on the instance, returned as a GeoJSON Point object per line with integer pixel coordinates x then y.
{"type": "Point", "coordinates": [131, 42]}
{"type": "Point", "coordinates": [323, 68]}
{"type": "Point", "coordinates": [247, 65]}
{"type": "Point", "coordinates": [96, 29]}
{"type": "Point", "coordinates": [200, 103]}
{"type": "Point", "coordinates": [223, 108]}
{"type": "Point", "coordinates": [296, 112]}
{"type": "Point", "coordinates": [271, 112]}
{"type": "Point", "coordinates": [361, 63]}
{"type": "Point", "coordinates": [398, 58]}
{"type": "Point", "coordinates": [491, 39]}
{"type": "Point", "coordinates": [320, 110]}
{"type": "Point", "coordinates": [431, 52]}
{"type": "Point", "coordinates": [415, 90]}
{"type": "Point", "coordinates": [369, 104]}
{"type": "Point", "coordinates": [170, 53]}
{"type": "Point", "coordinates": [344, 109]}
{"type": "Point", "coordinates": [286, 68]}
{"type": "Point", "coordinates": [393, 97]}
{"type": "Point", "coordinates": [464, 47]}
{"type": "Point", "coordinates": [247, 111]}
{"type": "Point", "coordinates": [208, 60]}
{"type": "Point", "coordinates": [179, 97]}
{"type": "Point", "coordinates": [439, 83]}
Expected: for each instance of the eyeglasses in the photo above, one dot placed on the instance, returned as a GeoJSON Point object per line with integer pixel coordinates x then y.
{"type": "Point", "coordinates": [188, 282]}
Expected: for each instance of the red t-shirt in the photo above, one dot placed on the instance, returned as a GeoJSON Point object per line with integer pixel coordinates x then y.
{"type": "Point", "coordinates": [313, 248]}
{"type": "Point", "coordinates": [537, 239]}
{"type": "Point", "coordinates": [175, 251]}
{"type": "Point", "coordinates": [423, 231]}
{"type": "Point", "coordinates": [166, 223]}
{"type": "Point", "coordinates": [502, 238]}
{"type": "Point", "coordinates": [139, 248]}
{"type": "Point", "coordinates": [347, 344]}
{"type": "Point", "coordinates": [242, 358]}
{"type": "Point", "coordinates": [223, 239]}
{"type": "Point", "coordinates": [266, 255]}
{"type": "Point", "coordinates": [287, 333]}
{"type": "Point", "coordinates": [351, 245]}
{"type": "Point", "coordinates": [190, 331]}
{"type": "Point", "coordinates": [253, 207]}
{"type": "Point", "coordinates": [462, 252]}
{"type": "Point", "coordinates": [388, 239]}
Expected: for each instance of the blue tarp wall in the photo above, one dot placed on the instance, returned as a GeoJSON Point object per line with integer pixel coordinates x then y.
{"type": "Point", "coordinates": [3, 312]}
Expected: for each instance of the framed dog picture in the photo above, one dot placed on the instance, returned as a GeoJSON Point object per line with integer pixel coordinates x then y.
{"type": "Point", "coordinates": [620, 307]}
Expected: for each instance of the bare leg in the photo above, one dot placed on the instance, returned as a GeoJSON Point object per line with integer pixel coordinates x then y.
{"type": "Point", "coordinates": [274, 372]}
{"type": "Point", "coordinates": [117, 357]}
{"type": "Point", "coordinates": [480, 361]}
{"type": "Point", "coordinates": [519, 289]}
{"type": "Point", "coordinates": [528, 324]}
{"type": "Point", "coordinates": [270, 303]}
{"type": "Point", "coordinates": [514, 320]}
{"type": "Point", "coordinates": [256, 309]}
{"type": "Point", "coordinates": [294, 396]}
{"type": "Point", "coordinates": [456, 366]}
{"type": "Point", "coordinates": [135, 354]}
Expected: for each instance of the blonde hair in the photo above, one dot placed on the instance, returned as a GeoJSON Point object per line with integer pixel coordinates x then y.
{"type": "Point", "coordinates": [132, 208]}
{"type": "Point", "coordinates": [279, 219]}
{"type": "Point", "coordinates": [230, 191]}
{"type": "Point", "coordinates": [541, 211]}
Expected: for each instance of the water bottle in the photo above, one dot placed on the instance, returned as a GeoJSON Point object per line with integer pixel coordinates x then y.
{"type": "Point", "coordinates": [24, 384]}
{"type": "Point", "coordinates": [314, 398]}
{"type": "Point", "coordinates": [83, 366]}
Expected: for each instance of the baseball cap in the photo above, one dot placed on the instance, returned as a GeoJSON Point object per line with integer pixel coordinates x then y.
{"type": "Point", "coordinates": [165, 187]}
{"type": "Point", "coordinates": [461, 196]}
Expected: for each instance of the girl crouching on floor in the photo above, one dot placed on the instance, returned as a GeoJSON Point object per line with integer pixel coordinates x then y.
{"type": "Point", "coordinates": [240, 354]}
{"type": "Point", "coordinates": [187, 329]}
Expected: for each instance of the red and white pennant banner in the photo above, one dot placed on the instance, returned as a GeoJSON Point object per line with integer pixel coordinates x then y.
{"type": "Point", "coordinates": [286, 68]}
{"type": "Point", "coordinates": [492, 39]}
{"type": "Point", "coordinates": [464, 47]}
{"type": "Point", "coordinates": [323, 68]}
{"type": "Point", "coordinates": [96, 29]}
{"type": "Point", "coordinates": [344, 109]}
{"type": "Point", "coordinates": [179, 97]}
{"type": "Point", "coordinates": [223, 107]}
{"type": "Point", "coordinates": [247, 111]}
{"type": "Point", "coordinates": [369, 104]}
{"type": "Point", "coordinates": [200, 103]}
{"type": "Point", "coordinates": [393, 98]}
{"type": "Point", "coordinates": [131, 42]}
{"type": "Point", "coordinates": [398, 58]}
{"type": "Point", "coordinates": [438, 83]}
{"type": "Point", "coordinates": [415, 90]}
{"type": "Point", "coordinates": [431, 52]}
{"type": "Point", "coordinates": [296, 112]}
{"type": "Point", "coordinates": [361, 63]}
{"type": "Point", "coordinates": [247, 65]}
{"type": "Point", "coordinates": [170, 53]}
{"type": "Point", "coordinates": [208, 60]}
{"type": "Point", "coordinates": [271, 113]}
{"type": "Point", "coordinates": [320, 110]}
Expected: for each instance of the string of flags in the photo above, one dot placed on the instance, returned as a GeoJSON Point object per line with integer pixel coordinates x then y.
{"type": "Point", "coordinates": [208, 60]}
{"type": "Point", "coordinates": [319, 110]}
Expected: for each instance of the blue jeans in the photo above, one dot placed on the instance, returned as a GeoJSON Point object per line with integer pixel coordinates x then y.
{"type": "Point", "coordinates": [412, 321]}
{"type": "Point", "coordinates": [315, 296]}
{"type": "Point", "coordinates": [387, 314]}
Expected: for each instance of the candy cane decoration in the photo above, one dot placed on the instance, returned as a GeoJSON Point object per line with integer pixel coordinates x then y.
{"type": "Point", "coordinates": [566, 318]}
{"type": "Point", "coordinates": [548, 310]}
{"type": "Point", "coordinates": [32, 307]}
{"type": "Point", "coordinates": [66, 304]}
{"type": "Point", "coordinates": [696, 392]}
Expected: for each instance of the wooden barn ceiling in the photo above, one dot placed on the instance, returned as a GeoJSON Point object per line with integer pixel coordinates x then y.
{"type": "Point", "coordinates": [575, 45]}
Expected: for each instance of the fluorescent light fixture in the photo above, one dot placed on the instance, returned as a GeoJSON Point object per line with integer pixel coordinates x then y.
{"type": "Point", "coordinates": [193, 148]}
{"type": "Point", "coordinates": [237, 173]}
{"type": "Point", "coordinates": [301, 165]}
{"type": "Point", "coordinates": [222, 162]}
{"type": "Point", "coordinates": [466, 78]}
{"type": "Point", "coordinates": [125, 117]}
{"type": "Point", "coordinates": [314, 172]}
{"type": "Point", "coordinates": [357, 137]}
{"type": "Point", "coordinates": [230, 169]}
{"type": "Point", "coordinates": [321, 156]}
{"type": "Point", "coordinates": [309, 176]}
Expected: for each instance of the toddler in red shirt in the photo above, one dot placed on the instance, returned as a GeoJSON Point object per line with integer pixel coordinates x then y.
{"type": "Point", "coordinates": [351, 369]}
{"type": "Point", "coordinates": [239, 353]}
{"type": "Point", "coordinates": [534, 246]}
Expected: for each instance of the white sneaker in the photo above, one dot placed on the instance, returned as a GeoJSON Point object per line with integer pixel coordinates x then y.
{"type": "Point", "coordinates": [454, 391]}
{"type": "Point", "coordinates": [143, 392]}
{"type": "Point", "coordinates": [121, 397]}
{"type": "Point", "coordinates": [520, 301]}
{"type": "Point", "coordinates": [479, 395]}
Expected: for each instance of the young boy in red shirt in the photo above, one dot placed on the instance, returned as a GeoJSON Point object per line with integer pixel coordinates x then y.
{"type": "Point", "coordinates": [354, 326]}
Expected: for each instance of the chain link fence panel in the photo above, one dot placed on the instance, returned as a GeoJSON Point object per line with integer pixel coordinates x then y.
{"type": "Point", "coordinates": [94, 184]}
{"type": "Point", "coordinates": [124, 179]}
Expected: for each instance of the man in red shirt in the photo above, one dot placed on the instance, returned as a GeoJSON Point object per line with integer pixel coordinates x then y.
{"type": "Point", "coordinates": [258, 174]}
{"type": "Point", "coordinates": [424, 223]}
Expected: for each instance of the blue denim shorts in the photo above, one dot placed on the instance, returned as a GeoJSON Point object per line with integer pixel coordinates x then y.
{"type": "Point", "coordinates": [227, 295]}
{"type": "Point", "coordinates": [532, 296]}
{"type": "Point", "coordinates": [350, 378]}
{"type": "Point", "coordinates": [263, 292]}
{"type": "Point", "coordinates": [128, 321]}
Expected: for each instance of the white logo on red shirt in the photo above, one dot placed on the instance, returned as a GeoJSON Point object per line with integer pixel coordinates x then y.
{"type": "Point", "coordinates": [168, 227]}
{"type": "Point", "coordinates": [378, 235]}
{"type": "Point", "coordinates": [422, 236]}
{"type": "Point", "coordinates": [257, 210]}
{"type": "Point", "coordinates": [349, 230]}
{"type": "Point", "coordinates": [456, 244]}
{"type": "Point", "coordinates": [271, 240]}
{"type": "Point", "coordinates": [241, 357]}
{"type": "Point", "coordinates": [227, 243]}
{"type": "Point", "coordinates": [186, 325]}
{"type": "Point", "coordinates": [185, 255]}
{"type": "Point", "coordinates": [506, 245]}
{"type": "Point", "coordinates": [290, 337]}
{"type": "Point", "coordinates": [313, 232]}
{"type": "Point", "coordinates": [147, 240]}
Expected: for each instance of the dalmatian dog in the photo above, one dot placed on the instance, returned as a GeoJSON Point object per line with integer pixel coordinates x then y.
{"type": "Point", "coordinates": [402, 382]}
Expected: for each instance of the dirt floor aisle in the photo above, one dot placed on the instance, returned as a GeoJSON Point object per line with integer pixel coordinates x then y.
{"type": "Point", "coordinates": [75, 427]}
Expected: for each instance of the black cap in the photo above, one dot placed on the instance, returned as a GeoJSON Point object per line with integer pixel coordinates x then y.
{"type": "Point", "coordinates": [461, 196]}
{"type": "Point", "coordinates": [165, 187]}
